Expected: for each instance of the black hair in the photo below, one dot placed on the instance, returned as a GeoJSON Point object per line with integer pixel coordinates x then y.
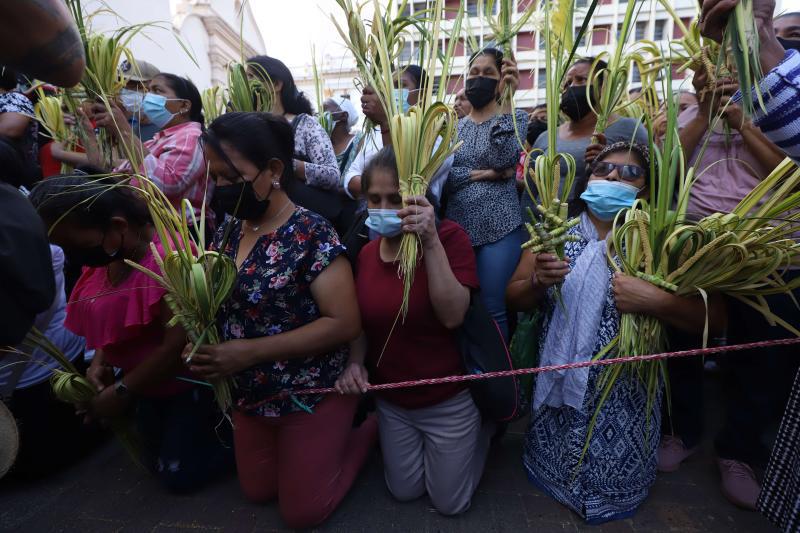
{"type": "Point", "coordinates": [577, 205]}
{"type": "Point", "coordinates": [540, 106]}
{"type": "Point", "coordinates": [8, 78]}
{"type": "Point", "coordinates": [293, 101]}
{"type": "Point", "coordinates": [601, 67]}
{"type": "Point", "coordinates": [186, 90]}
{"type": "Point", "coordinates": [491, 52]}
{"type": "Point", "coordinates": [385, 159]}
{"type": "Point", "coordinates": [259, 137]}
{"type": "Point", "coordinates": [88, 202]}
{"type": "Point", "coordinates": [417, 74]}
{"type": "Point", "coordinates": [15, 169]}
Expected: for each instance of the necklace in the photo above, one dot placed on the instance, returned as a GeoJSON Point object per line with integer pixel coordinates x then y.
{"type": "Point", "coordinates": [255, 229]}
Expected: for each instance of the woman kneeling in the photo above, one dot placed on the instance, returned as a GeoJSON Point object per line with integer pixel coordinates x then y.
{"type": "Point", "coordinates": [433, 438]}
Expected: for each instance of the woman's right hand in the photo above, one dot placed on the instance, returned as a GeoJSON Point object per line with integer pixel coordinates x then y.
{"type": "Point", "coordinates": [550, 270]}
{"type": "Point", "coordinates": [354, 380]}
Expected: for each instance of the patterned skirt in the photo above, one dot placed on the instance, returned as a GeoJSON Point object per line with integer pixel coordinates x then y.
{"type": "Point", "coordinates": [780, 496]}
{"type": "Point", "coordinates": [619, 466]}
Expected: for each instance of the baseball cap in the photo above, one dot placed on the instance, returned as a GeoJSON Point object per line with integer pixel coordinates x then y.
{"type": "Point", "coordinates": [138, 70]}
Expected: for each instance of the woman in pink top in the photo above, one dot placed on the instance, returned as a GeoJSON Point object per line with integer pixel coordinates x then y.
{"type": "Point", "coordinates": [173, 158]}
{"type": "Point", "coordinates": [123, 316]}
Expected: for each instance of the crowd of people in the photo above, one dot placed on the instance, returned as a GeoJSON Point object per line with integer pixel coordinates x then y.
{"type": "Point", "coordinates": [314, 220]}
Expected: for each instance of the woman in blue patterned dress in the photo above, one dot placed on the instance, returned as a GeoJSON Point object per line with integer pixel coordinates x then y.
{"type": "Point", "coordinates": [613, 477]}
{"type": "Point", "coordinates": [286, 326]}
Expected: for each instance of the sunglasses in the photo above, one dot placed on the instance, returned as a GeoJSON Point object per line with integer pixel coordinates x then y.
{"type": "Point", "coordinates": [625, 172]}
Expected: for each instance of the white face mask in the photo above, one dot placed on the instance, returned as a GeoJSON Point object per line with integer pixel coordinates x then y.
{"type": "Point", "coordinates": [132, 100]}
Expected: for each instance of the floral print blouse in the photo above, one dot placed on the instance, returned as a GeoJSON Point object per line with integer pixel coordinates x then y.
{"type": "Point", "coordinates": [312, 145]}
{"type": "Point", "coordinates": [272, 295]}
{"type": "Point", "coordinates": [488, 210]}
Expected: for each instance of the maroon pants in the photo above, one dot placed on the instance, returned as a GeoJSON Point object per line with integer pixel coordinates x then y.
{"type": "Point", "coordinates": [307, 461]}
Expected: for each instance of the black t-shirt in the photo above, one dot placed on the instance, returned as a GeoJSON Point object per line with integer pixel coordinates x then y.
{"type": "Point", "coordinates": [27, 285]}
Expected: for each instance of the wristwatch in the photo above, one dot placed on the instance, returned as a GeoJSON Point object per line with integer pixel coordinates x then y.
{"type": "Point", "coordinates": [122, 390]}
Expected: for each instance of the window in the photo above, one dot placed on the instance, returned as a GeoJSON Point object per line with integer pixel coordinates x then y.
{"type": "Point", "coordinates": [406, 53]}
{"type": "Point", "coordinates": [601, 34]}
{"type": "Point", "coordinates": [420, 5]}
{"type": "Point", "coordinates": [540, 41]}
{"type": "Point", "coordinates": [635, 75]}
{"type": "Point", "coordinates": [472, 8]}
{"type": "Point", "coordinates": [581, 3]}
{"type": "Point", "coordinates": [541, 78]}
{"type": "Point", "coordinates": [582, 41]}
{"type": "Point", "coordinates": [641, 31]}
{"type": "Point", "coordinates": [660, 30]}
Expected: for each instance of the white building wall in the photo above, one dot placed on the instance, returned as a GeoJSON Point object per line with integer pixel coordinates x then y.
{"type": "Point", "coordinates": [210, 29]}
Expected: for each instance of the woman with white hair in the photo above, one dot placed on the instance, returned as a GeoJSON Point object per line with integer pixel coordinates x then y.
{"type": "Point", "coordinates": [345, 143]}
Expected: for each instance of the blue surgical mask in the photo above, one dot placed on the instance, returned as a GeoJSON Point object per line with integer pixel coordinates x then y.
{"type": "Point", "coordinates": [154, 106]}
{"type": "Point", "coordinates": [401, 99]}
{"type": "Point", "coordinates": [384, 222]}
{"type": "Point", "coordinates": [132, 100]}
{"type": "Point", "coordinates": [607, 198]}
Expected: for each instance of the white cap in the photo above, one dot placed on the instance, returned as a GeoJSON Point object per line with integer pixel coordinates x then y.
{"type": "Point", "coordinates": [347, 106]}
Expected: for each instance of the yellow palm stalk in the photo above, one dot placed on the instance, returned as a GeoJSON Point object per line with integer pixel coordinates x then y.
{"type": "Point", "coordinates": [213, 103]}
{"type": "Point", "coordinates": [50, 115]}
{"type": "Point", "coordinates": [325, 119]}
{"type": "Point", "coordinates": [415, 136]}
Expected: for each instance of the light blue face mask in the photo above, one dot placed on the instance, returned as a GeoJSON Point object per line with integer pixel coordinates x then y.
{"type": "Point", "coordinates": [607, 198]}
{"type": "Point", "coordinates": [155, 107]}
{"type": "Point", "coordinates": [132, 100]}
{"type": "Point", "coordinates": [401, 99]}
{"type": "Point", "coordinates": [384, 222]}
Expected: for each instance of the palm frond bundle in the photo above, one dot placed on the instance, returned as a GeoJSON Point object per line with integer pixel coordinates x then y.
{"type": "Point", "coordinates": [213, 103]}
{"type": "Point", "coordinates": [249, 88]}
{"type": "Point", "coordinates": [548, 226]}
{"type": "Point", "coordinates": [50, 114]}
{"type": "Point", "coordinates": [197, 280]}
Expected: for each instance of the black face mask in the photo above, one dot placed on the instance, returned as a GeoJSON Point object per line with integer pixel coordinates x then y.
{"type": "Point", "coordinates": [96, 256]}
{"type": "Point", "coordinates": [574, 102]}
{"type": "Point", "coordinates": [535, 128]}
{"type": "Point", "coordinates": [239, 200]}
{"type": "Point", "coordinates": [789, 44]}
{"type": "Point", "coordinates": [480, 91]}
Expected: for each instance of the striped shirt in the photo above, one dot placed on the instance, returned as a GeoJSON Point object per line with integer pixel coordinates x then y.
{"type": "Point", "coordinates": [177, 166]}
{"type": "Point", "coordinates": [780, 120]}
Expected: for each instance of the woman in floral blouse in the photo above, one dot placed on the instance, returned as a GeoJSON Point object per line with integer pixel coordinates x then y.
{"type": "Point", "coordinates": [286, 327]}
{"type": "Point", "coordinates": [481, 189]}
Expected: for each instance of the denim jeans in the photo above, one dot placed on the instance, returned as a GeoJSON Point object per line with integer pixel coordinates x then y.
{"type": "Point", "coordinates": [496, 264]}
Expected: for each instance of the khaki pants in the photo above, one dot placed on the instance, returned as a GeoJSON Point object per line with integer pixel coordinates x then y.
{"type": "Point", "coordinates": [440, 450]}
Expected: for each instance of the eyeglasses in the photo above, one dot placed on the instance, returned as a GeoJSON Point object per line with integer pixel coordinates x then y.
{"type": "Point", "coordinates": [625, 172]}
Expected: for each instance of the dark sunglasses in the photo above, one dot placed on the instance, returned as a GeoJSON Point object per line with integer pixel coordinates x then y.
{"type": "Point", "coordinates": [625, 172]}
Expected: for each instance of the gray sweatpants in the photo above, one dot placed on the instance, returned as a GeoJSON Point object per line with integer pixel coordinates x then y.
{"type": "Point", "coordinates": [440, 450]}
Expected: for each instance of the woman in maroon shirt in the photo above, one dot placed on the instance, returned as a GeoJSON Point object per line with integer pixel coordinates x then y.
{"type": "Point", "coordinates": [433, 438]}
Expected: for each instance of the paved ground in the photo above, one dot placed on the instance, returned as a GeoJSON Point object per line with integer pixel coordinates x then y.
{"type": "Point", "coordinates": [105, 493]}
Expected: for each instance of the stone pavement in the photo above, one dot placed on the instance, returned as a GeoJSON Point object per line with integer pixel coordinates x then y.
{"type": "Point", "coordinates": [106, 493]}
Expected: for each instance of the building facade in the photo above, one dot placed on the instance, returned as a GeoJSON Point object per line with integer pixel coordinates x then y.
{"type": "Point", "coordinates": [215, 32]}
{"type": "Point", "coordinates": [653, 23]}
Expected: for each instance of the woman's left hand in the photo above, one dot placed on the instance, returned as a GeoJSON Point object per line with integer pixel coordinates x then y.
{"type": "Point", "coordinates": [509, 75]}
{"type": "Point", "coordinates": [593, 150]}
{"type": "Point", "coordinates": [108, 404]}
{"type": "Point", "coordinates": [213, 361]}
{"type": "Point", "coordinates": [418, 217]}
{"type": "Point", "coordinates": [634, 295]}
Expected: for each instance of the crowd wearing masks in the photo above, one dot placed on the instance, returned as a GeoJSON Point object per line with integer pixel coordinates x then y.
{"type": "Point", "coordinates": [314, 221]}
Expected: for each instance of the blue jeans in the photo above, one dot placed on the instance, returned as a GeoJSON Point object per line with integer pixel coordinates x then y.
{"type": "Point", "coordinates": [496, 264]}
